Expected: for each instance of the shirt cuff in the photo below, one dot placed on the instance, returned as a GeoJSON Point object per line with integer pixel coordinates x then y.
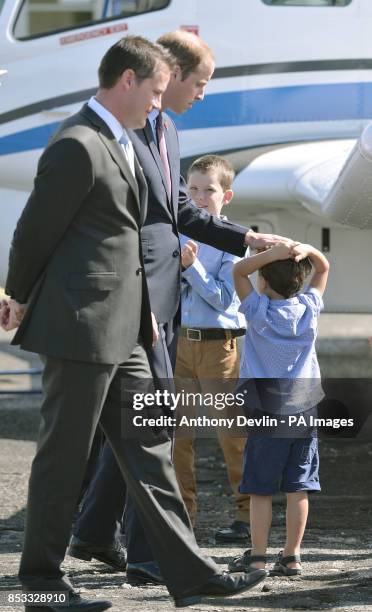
{"type": "Point", "coordinates": [194, 272]}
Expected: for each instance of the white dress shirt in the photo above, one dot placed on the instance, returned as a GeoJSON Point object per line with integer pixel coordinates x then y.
{"type": "Point", "coordinates": [116, 128]}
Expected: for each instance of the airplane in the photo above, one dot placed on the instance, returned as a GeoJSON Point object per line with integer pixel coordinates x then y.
{"type": "Point", "coordinates": [289, 105]}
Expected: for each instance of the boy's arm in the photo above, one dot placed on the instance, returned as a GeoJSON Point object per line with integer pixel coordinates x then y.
{"type": "Point", "coordinates": [320, 264]}
{"type": "Point", "coordinates": [218, 291]}
{"type": "Point", "coordinates": [243, 286]}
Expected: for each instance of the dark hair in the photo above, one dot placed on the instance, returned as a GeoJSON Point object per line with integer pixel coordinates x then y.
{"type": "Point", "coordinates": [286, 276]}
{"type": "Point", "coordinates": [134, 52]}
{"type": "Point", "coordinates": [188, 50]}
{"type": "Point", "coordinates": [223, 168]}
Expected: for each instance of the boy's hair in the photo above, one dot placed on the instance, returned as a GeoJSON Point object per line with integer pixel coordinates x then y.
{"type": "Point", "coordinates": [188, 50]}
{"type": "Point", "coordinates": [220, 165]}
{"type": "Point", "coordinates": [286, 276]}
{"type": "Point", "coordinates": [134, 52]}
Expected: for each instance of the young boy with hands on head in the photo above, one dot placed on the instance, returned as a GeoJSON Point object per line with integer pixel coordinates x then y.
{"type": "Point", "coordinates": [280, 344]}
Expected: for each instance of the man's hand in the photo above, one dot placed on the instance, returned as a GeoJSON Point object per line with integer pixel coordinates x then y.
{"type": "Point", "coordinates": [262, 241]}
{"type": "Point", "coordinates": [155, 330]}
{"type": "Point", "coordinates": [189, 253]}
{"type": "Point", "coordinates": [11, 314]}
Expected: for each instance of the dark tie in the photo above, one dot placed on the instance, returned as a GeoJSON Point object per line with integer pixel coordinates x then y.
{"type": "Point", "coordinates": [162, 146]}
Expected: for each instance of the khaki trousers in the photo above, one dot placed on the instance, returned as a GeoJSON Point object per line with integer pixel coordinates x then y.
{"type": "Point", "coordinates": [216, 359]}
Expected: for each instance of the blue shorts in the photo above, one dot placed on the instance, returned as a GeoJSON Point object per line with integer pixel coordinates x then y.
{"type": "Point", "coordinates": [280, 464]}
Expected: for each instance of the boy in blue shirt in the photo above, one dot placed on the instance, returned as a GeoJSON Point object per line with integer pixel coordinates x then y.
{"type": "Point", "coordinates": [280, 344]}
{"type": "Point", "coordinates": [207, 347]}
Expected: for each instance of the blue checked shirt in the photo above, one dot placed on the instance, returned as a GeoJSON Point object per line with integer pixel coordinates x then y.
{"type": "Point", "coordinates": [208, 295]}
{"type": "Point", "coordinates": [280, 344]}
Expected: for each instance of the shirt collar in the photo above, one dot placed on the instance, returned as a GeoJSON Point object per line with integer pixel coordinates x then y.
{"type": "Point", "coordinates": [112, 123]}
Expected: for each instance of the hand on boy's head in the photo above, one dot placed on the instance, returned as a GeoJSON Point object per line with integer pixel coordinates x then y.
{"type": "Point", "coordinates": [262, 241]}
{"type": "Point", "coordinates": [189, 253]}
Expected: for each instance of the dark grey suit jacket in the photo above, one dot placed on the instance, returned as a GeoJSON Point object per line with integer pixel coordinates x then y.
{"type": "Point", "coordinates": [169, 213]}
{"type": "Point", "coordinates": [76, 253]}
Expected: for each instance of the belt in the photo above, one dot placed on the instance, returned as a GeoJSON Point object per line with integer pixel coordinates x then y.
{"type": "Point", "coordinates": [197, 335]}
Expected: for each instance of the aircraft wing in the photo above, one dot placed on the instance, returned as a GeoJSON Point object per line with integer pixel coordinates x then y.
{"type": "Point", "coordinates": [332, 179]}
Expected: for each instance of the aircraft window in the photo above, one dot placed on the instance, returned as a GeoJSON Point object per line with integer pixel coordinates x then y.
{"type": "Point", "coordinates": [42, 17]}
{"type": "Point", "coordinates": [1, 4]}
{"type": "Point", "coordinates": [307, 2]}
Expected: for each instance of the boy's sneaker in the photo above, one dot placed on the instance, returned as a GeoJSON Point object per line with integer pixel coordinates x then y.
{"type": "Point", "coordinates": [238, 532]}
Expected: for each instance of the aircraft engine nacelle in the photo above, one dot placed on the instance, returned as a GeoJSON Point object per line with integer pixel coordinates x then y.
{"type": "Point", "coordinates": [350, 200]}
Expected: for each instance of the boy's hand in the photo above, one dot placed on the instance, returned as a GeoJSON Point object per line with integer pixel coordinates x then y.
{"type": "Point", "coordinates": [11, 314]}
{"type": "Point", "coordinates": [283, 250]}
{"type": "Point", "coordinates": [189, 253]}
{"type": "Point", "coordinates": [300, 251]}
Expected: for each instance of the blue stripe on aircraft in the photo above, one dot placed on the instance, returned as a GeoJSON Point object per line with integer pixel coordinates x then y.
{"type": "Point", "coordinates": [27, 140]}
{"type": "Point", "coordinates": [330, 102]}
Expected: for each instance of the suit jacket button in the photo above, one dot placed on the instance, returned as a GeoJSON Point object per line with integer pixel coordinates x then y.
{"type": "Point", "coordinates": [139, 271]}
{"type": "Point", "coordinates": [176, 253]}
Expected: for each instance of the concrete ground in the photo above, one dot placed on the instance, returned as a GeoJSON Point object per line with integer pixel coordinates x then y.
{"type": "Point", "coordinates": [337, 548]}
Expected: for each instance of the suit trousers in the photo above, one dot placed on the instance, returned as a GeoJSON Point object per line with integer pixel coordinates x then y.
{"type": "Point", "coordinates": [201, 361]}
{"type": "Point", "coordinates": [78, 396]}
{"type": "Point", "coordinates": [101, 515]}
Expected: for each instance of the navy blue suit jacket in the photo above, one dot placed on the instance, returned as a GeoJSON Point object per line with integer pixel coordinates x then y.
{"type": "Point", "coordinates": [168, 214]}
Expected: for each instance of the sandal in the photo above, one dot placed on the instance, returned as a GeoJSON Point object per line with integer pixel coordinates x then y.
{"type": "Point", "coordinates": [281, 569]}
{"type": "Point", "coordinates": [243, 563]}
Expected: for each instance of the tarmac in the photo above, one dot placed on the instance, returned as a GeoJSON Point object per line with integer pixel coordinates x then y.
{"type": "Point", "coordinates": [337, 548]}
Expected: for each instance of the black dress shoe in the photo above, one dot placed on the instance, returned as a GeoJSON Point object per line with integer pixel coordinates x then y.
{"type": "Point", "coordinates": [75, 604]}
{"type": "Point", "coordinates": [220, 585]}
{"type": "Point", "coordinates": [237, 532]}
{"type": "Point", "coordinates": [144, 573]}
{"type": "Point", "coordinates": [114, 555]}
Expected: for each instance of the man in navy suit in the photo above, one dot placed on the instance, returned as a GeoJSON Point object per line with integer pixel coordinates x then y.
{"type": "Point", "coordinates": [170, 210]}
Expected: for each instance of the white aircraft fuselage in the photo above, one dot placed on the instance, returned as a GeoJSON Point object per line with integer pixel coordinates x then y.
{"type": "Point", "coordinates": [292, 89]}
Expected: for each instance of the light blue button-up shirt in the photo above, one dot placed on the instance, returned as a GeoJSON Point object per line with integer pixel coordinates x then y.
{"type": "Point", "coordinates": [208, 295]}
{"type": "Point", "coordinates": [152, 120]}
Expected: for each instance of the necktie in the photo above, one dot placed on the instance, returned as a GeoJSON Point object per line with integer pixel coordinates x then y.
{"type": "Point", "coordinates": [162, 146]}
{"type": "Point", "coordinates": [127, 147]}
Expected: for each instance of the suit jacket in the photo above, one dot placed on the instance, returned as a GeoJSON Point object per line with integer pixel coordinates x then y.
{"type": "Point", "coordinates": [76, 253]}
{"type": "Point", "coordinates": [169, 213]}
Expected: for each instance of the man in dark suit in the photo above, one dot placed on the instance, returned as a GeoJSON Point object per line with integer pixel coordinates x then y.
{"type": "Point", "coordinates": [76, 260]}
{"type": "Point", "coordinates": [170, 210]}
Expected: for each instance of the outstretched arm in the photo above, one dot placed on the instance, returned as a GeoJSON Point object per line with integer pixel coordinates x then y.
{"type": "Point", "coordinates": [200, 225]}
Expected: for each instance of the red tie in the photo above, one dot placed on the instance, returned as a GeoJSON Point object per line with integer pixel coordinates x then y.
{"type": "Point", "coordinates": [163, 152]}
